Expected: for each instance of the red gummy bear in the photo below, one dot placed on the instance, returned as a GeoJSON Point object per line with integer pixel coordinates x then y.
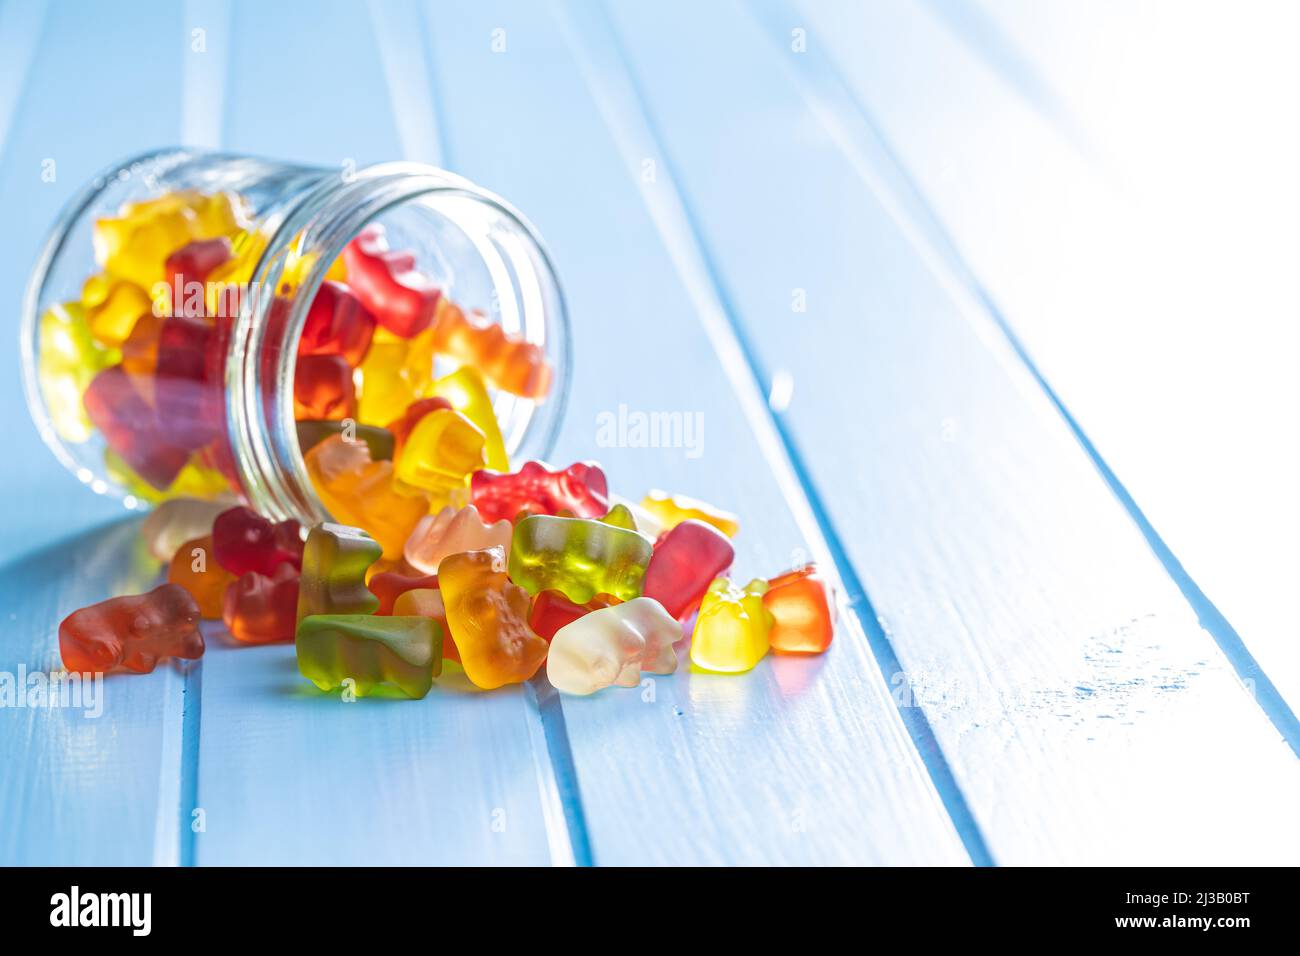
{"type": "Point", "coordinates": [118, 409]}
{"type": "Point", "coordinates": [580, 489]}
{"type": "Point", "coordinates": [401, 300]}
{"type": "Point", "coordinates": [337, 324]}
{"type": "Point", "coordinates": [243, 541]}
{"type": "Point", "coordinates": [193, 263]}
{"type": "Point", "coordinates": [189, 402]}
{"type": "Point", "coordinates": [134, 632]}
{"type": "Point", "coordinates": [685, 560]}
{"type": "Point", "coordinates": [402, 427]}
{"type": "Point", "coordinates": [388, 586]}
{"type": "Point", "coordinates": [323, 388]}
{"type": "Point", "coordinates": [552, 611]}
{"type": "Point", "coordinates": [259, 609]}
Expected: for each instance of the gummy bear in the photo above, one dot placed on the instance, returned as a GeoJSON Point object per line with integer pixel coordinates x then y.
{"type": "Point", "coordinates": [360, 492]}
{"type": "Point", "coordinates": [386, 388]}
{"type": "Point", "coordinates": [674, 509]}
{"type": "Point", "coordinates": [552, 610]}
{"type": "Point", "coordinates": [69, 358]}
{"type": "Point", "coordinates": [334, 562]}
{"type": "Point", "coordinates": [465, 390]}
{"type": "Point", "coordinates": [189, 398]}
{"type": "Point", "coordinates": [439, 454]}
{"type": "Point", "coordinates": [112, 308]}
{"type": "Point", "coordinates": [245, 541]}
{"type": "Point", "coordinates": [732, 628]}
{"type": "Point", "coordinates": [135, 247]}
{"type": "Point", "coordinates": [427, 602]}
{"type": "Point", "coordinates": [488, 616]}
{"type": "Point", "coordinates": [508, 361]}
{"type": "Point", "coordinates": [802, 619]}
{"type": "Point", "coordinates": [323, 388]}
{"type": "Point", "coordinates": [134, 632]}
{"type": "Point", "coordinates": [401, 427]}
{"type": "Point", "coordinates": [451, 531]}
{"type": "Point", "coordinates": [685, 560]}
{"type": "Point", "coordinates": [613, 646]}
{"type": "Point", "coordinates": [400, 298]}
{"type": "Point", "coordinates": [579, 557]}
{"type": "Point", "coordinates": [262, 609]}
{"type": "Point", "coordinates": [117, 408]}
{"type": "Point", "coordinates": [388, 586]}
{"type": "Point", "coordinates": [177, 520]}
{"type": "Point", "coordinates": [186, 272]}
{"type": "Point", "coordinates": [579, 489]}
{"type": "Point", "coordinates": [405, 652]}
{"type": "Point", "coordinates": [337, 324]}
{"type": "Point", "coordinates": [194, 568]}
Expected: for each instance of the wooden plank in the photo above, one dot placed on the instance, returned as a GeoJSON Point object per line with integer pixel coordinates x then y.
{"type": "Point", "coordinates": [84, 789]}
{"type": "Point", "coordinates": [801, 761]}
{"type": "Point", "coordinates": [287, 775]}
{"type": "Point", "coordinates": [1149, 279]}
{"type": "Point", "coordinates": [1085, 714]}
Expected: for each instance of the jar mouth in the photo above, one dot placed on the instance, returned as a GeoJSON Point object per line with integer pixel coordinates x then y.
{"type": "Point", "coordinates": [515, 265]}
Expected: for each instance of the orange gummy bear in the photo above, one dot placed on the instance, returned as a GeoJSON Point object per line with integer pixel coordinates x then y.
{"type": "Point", "coordinates": [488, 617]}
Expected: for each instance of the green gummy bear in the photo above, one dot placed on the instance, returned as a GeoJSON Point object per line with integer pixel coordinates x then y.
{"type": "Point", "coordinates": [334, 563]}
{"type": "Point", "coordinates": [620, 516]}
{"type": "Point", "coordinates": [405, 652]}
{"type": "Point", "coordinates": [580, 557]}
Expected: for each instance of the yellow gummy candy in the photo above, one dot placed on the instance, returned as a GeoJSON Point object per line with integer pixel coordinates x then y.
{"type": "Point", "coordinates": [468, 394]}
{"type": "Point", "coordinates": [112, 307]}
{"type": "Point", "coordinates": [732, 628]}
{"type": "Point", "coordinates": [441, 451]}
{"type": "Point", "coordinates": [136, 247]}
{"type": "Point", "coordinates": [672, 510]}
{"type": "Point", "coordinates": [386, 387]}
{"type": "Point", "coordinates": [68, 359]}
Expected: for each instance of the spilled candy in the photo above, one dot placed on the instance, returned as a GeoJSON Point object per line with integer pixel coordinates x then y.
{"type": "Point", "coordinates": [799, 602]}
{"type": "Point", "coordinates": [451, 531]}
{"type": "Point", "coordinates": [262, 609]}
{"type": "Point", "coordinates": [578, 557]}
{"type": "Point", "coordinates": [488, 616]}
{"type": "Point", "coordinates": [732, 628]}
{"type": "Point", "coordinates": [613, 646]}
{"type": "Point", "coordinates": [334, 563]}
{"type": "Point", "coordinates": [405, 652]}
{"type": "Point", "coordinates": [134, 632]}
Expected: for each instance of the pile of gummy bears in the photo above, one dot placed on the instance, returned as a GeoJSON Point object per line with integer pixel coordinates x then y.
{"type": "Point", "coordinates": [446, 555]}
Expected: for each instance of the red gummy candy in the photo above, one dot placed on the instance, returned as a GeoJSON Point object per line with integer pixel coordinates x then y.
{"type": "Point", "coordinates": [579, 489]}
{"type": "Point", "coordinates": [243, 541]}
{"type": "Point", "coordinates": [402, 427]}
{"type": "Point", "coordinates": [552, 611]}
{"type": "Point", "coordinates": [323, 388]}
{"type": "Point", "coordinates": [337, 324]}
{"type": "Point", "coordinates": [127, 421]}
{"type": "Point", "coordinates": [193, 263]}
{"type": "Point", "coordinates": [189, 402]}
{"type": "Point", "coordinates": [400, 299]}
{"type": "Point", "coordinates": [388, 586]}
{"type": "Point", "coordinates": [685, 560]}
{"type": "Point", "coordinates": [259, 609]}
{"type": "Point", "coordinates": [134, 632]}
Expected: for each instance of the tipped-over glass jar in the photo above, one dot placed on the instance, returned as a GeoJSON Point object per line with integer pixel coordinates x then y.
{"type": "Point", "coordinates": [211, 325]}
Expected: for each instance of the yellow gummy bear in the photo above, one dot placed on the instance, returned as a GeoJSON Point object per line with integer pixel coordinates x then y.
{"type": "Point", "coordinates": [136, 247]}
{"type": "Point", "coordinates": [68, 359]}
{"type": "Point", "coordinates": [672, 510]}
{"type": "Point", "coordinates": [732, 628]}
{"type": "Point", "coordinates": [468, 394]}
{"type": "Point", "coordinates": [192, 481]}
{"type": "Point", "coordinates": [112, 307]}
{"type": "Point", "coordinates": [386, 386]}
{"type": "Point", "coordinates": [440, 453]}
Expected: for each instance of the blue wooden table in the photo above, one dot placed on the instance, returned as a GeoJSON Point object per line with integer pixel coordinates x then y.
{"type": "Point", "coordinates": [953, 329]}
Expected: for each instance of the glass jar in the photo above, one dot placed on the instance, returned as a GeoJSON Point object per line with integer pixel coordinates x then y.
{"type": "Point", "coordinates": [219, 419]}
